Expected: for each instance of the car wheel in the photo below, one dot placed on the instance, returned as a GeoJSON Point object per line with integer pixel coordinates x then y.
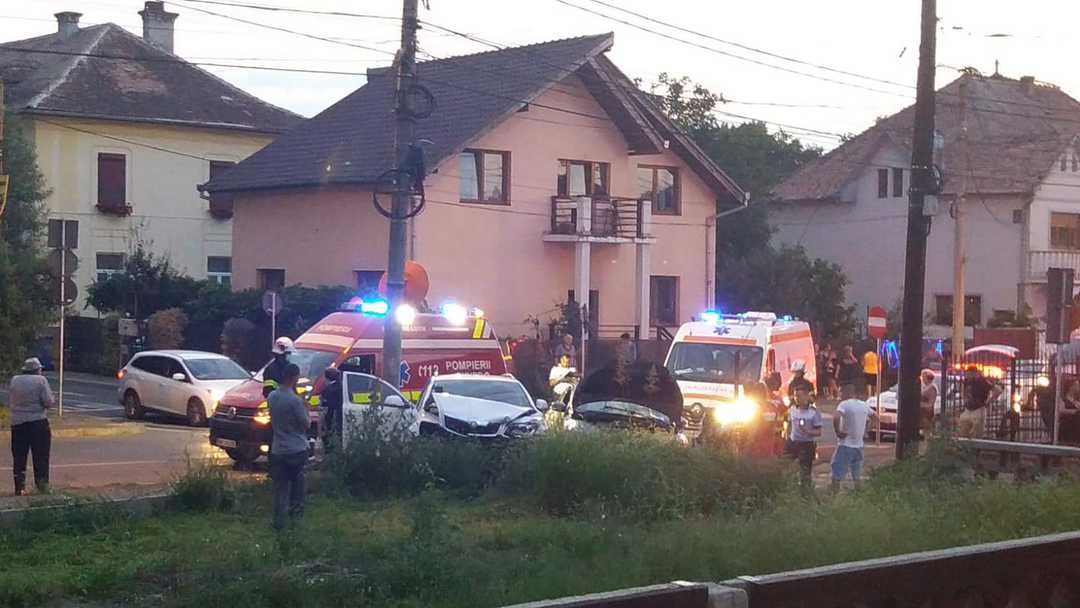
{"type": "Point", "coordinates": [196, 413]}
{"type": "Point", "coordinates": [133, 408]}
{"type": "Point", "coordinates": [242, 455]}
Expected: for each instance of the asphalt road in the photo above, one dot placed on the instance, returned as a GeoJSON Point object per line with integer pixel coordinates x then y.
{"type": "Point", "coordinates": [84, 394]}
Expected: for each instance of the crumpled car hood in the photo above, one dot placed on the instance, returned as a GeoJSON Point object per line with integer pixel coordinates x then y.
{"type": "Point", "coordinates": [480, 411]}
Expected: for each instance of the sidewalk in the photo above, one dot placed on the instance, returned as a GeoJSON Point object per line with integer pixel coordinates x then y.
{"type": "Point", "coordinates": [75, 426]}
{"type": "Point", "coordinates": [84, 378]}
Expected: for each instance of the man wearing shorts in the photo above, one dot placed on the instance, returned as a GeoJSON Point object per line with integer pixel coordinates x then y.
{"type": "Point", "coordinates": [849, 422]}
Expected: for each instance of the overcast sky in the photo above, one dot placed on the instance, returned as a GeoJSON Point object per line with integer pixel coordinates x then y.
{"type": "Point", "coordinates": [877, 39]}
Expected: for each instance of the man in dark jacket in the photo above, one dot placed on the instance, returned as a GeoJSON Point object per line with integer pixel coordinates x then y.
{"type": "Point", "coordinates": [275, 372]}
{"type": "Point", "coordinates": [333, 420]}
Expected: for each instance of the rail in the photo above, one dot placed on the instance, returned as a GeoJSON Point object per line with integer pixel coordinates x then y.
{"type": "Point", "coordinates": [615, 217]}
{"type": "Point", "coordinates": [1040, 261]}
{"type": "Point", "coordinates": [1037, 571]}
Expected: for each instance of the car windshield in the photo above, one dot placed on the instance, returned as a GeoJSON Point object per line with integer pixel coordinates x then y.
{"type": "Point", "coordinates": [312, 363]}
{"type": "Point", "coordinates": [492, 390]}
{"type": "Point", "coordinates": [715, 362]}
{"type": "Point", "coordinates": [216, 368]}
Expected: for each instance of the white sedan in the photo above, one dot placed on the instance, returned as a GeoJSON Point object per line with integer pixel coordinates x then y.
{"type": "Point", "coordinates": [889, 408]}
{"type": "Point", "coordinates": [479, 406]}
{"type": "Point", "coordinates": [186, 383]}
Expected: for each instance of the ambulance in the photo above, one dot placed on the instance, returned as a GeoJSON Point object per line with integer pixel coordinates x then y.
{"type": "Point", "coordinates": [726, 366]}
{"type": "Point", "coordinates": [453, 340]}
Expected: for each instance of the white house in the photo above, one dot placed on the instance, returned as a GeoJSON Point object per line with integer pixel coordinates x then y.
{"type": "Point", "coordinates": [1020, 173]}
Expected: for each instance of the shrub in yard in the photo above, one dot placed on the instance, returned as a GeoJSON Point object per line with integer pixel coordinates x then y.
{"type": "Point", "coordinates": [202, 489]}
{"type": "Point", "coordinates": [166, 328]}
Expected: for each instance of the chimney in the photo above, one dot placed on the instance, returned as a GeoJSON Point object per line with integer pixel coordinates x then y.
{"type": "Point", "coordinates": [157, 25]}
{"type": "Point", "coordinates": [67, 23]}
{"type": "Point", "coordinates": [1027, 83]}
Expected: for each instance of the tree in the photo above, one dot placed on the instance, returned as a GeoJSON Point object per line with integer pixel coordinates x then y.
{"type": "Point", "coordinates": [25, 306]}
{"type": "Point", "coordinates": [750, 272]}
{"type": "Point", "coordinates": [149, 283]}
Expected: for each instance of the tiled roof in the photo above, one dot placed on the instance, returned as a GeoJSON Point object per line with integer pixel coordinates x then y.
{"type": "Point", "coordinates": [351, 142]}
{"type": "Point", "coordinates": [1016, 130]}
{"type": "Point", "coordinates": [76, 76]}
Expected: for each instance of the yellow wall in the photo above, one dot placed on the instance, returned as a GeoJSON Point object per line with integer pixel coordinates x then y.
{"type": "Point", "coordinates": [167, 213]}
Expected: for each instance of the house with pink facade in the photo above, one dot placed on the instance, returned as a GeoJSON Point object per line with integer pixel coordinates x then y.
{"type": "Point", "coordinates": [550, 176]}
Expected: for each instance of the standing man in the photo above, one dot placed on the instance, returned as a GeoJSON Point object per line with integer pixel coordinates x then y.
{"type": "Point", "coordinates": [289, 449]}
{"type": "Point", "coordinates": [848, 371]}
{"type": "Point", "coordinates": [804, 428]}
{"type": "Point", "coordinates": [332, 399]}
{"type": "Point", "coordinates": [978, 393]}
{"type": "Point", "coordinates": [849, 422]}
{"type": "Point", "coordinates": [928, 399]}
{"type": "Point", "coordinates": [31, 399]}
{"type": "Point", "coordinates": [273, 373]}
{"type": "Point", "coordinates": [870, 371]}
{"type": "Point", "coordinates": [626, 350]}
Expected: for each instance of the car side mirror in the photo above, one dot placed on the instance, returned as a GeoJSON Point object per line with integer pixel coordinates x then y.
{"type": "Point", "coordinates": [394, 401]}
{"type": "Point", "coordinates": [542, 405]}
{"type": "Point", "coordinates": [179, 377]}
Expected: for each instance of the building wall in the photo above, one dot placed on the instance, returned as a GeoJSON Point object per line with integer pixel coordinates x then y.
{"type": "Point", "coordinates": [537, 139]}
{"type": "Point", "coordinates": [1058, 193]}
{"type": "Point", "coordinates": [168, 215]}
{"type": "Point", "coordinates": [491, 256]}
{"type": "Point", "coordinates": [867, 237]}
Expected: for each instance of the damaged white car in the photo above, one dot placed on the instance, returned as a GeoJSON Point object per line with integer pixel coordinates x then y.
{"type": "Point", "coordinates": [481, 407]}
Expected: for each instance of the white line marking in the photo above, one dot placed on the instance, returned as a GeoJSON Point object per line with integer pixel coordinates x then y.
{"type": "Point", "coordinates": [108, 464]}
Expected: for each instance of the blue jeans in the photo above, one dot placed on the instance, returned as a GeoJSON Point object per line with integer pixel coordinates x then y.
{"type": "Point", "coordinates": [847, 459]}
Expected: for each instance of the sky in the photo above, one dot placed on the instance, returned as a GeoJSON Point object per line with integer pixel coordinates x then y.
{"type": "Point", "coordinates": [757, 55]}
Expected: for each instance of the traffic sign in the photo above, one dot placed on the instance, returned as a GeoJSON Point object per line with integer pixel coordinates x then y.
{"type": "Point", "coordinates": [69, 259]}
{"type": "Point", "coordinates": [71, 292]}
{"type": "Point", "coordinates": [877, 323]}
{"type": "Point", "coordinates": [272, 303]}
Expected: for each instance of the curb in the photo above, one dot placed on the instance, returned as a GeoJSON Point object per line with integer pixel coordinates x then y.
{"type": "Point", "coordinates": [138, 506]}
{"type": "Point", "coordinates": [122, 429]}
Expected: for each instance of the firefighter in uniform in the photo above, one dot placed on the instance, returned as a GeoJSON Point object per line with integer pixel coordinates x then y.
{"type": "Point", "coordinates": [274, 372]}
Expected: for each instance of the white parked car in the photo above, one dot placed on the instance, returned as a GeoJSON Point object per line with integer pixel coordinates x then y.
{"type": "Point", "coordinates": [889, 409]}
{"type": "Point", "coordinates": [182, 382]}
{"type": "Point", "coordinates": [479, 406]}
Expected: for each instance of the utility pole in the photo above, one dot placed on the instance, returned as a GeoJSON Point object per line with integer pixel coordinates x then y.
{"type": "Point", "coordinates": [403, 138]}
{"type": "Point", "coordinates": [959, 299]}
{"type": "Point", "coordinates": [922, 183]}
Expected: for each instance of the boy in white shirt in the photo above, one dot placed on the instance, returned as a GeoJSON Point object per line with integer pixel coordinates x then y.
{"type": "Point", "coordinates": [850, 425]}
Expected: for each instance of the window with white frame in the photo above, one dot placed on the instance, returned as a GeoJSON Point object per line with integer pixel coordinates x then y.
{"type": "Point", "coordinates": [219, 270]}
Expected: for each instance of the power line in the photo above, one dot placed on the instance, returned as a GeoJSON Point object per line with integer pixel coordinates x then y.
{"type": "Point", "coordinates": [752, 49]}
{"type": "Point", "coordinates": [301, 11]}
{"type": "Point", "coordinates": [727, 53]}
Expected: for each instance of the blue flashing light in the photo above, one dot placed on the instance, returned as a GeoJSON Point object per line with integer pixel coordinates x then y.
{"type": "Point", "coordinates": [375, 308]}
{"type": "Point", "coordinates": [786, 318]}
{"type": "Point", "coordinates": [455, 313]}
{"type": "Point", "coordinates": [711, 316]}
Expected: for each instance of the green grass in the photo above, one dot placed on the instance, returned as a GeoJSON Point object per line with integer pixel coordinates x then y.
{"type": "Point", "coordinates": [499, 542]}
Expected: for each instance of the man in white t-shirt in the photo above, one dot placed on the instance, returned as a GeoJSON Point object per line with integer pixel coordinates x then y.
{"type": "Point", "coordinates": [849, 421]}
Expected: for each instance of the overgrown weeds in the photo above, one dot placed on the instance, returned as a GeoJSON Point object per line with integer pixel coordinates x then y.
{"type": "Point", "coordinates": [202, 489]}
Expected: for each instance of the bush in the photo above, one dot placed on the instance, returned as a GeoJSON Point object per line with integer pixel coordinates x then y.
{"type": "Point", "coordinates": [166, 329]}
{"type": "Point", "coordinates": [642, 475]}
{"type": "Point", "coordinates": [202, 489]}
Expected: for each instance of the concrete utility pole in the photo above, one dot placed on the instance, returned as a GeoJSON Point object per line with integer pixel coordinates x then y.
{"type": "Point", "coordinates": [403, 137]}
{"type": "Point", "coordinates": [959, 299]}
{"type": "Point", "coordinates": [922, 183]}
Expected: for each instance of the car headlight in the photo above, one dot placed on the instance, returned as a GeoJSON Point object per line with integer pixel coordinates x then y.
{"type": "Point", "coordinates": [1043, 381]}
{"type": "Point", "coordinates": [262, 417]}
{"type": "Point", "coordinates": [523, 429]}
{"type": "Point", "coordinates": [740, 411]}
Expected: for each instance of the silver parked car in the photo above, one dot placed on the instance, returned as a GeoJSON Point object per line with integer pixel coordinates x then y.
{"type": "Point", "coordinates": [186, 383]}
{"type": "Point", "coordinates": [479, 406]}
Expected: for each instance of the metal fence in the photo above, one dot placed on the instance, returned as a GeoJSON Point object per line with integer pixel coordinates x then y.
{"type": "Point", "coordinates": [1020, 404]}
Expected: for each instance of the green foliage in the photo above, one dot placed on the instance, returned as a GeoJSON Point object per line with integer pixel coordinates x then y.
{"type": "Point", "coordinates": [149, 283]}
{"type": "Point", "coordinates": [752, 274]}
{"type": "Point", "coordinates": [786, 280]}
{"type": "Point", "coordinates": [202, 489]}
{"type": "Point", "coordinates": [166, 328]}
{"type": "Point", "coordinates": [25, 302]}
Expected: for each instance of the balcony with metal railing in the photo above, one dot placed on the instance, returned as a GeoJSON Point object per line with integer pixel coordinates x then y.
{"type": "Point", "coordinates": [1040, 261]}
{"type": "Point", "coordinates": [610, 219]}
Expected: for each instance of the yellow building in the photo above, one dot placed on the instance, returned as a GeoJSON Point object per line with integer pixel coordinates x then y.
{"type": "Point", "coordinates": [125, 130]}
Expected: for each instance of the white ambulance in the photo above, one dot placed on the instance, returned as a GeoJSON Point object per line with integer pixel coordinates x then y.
{"type": "Point", "coordinates": [721, 360]}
